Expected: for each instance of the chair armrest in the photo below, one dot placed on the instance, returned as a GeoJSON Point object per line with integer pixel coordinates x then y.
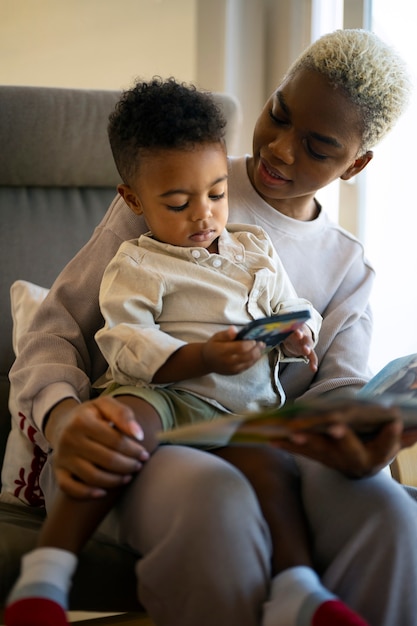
{"type": "Point", "coordinates": [404, 466]}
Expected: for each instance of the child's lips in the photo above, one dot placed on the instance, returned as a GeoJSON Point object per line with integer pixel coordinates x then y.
{"type": "Point", "coordinates": [203, 235]}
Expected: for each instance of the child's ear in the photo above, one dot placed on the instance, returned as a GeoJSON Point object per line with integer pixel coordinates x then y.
{"type": "Point", "coordinates": [358, 165]}
{"type": "Point", "coordinates": [131, 199]}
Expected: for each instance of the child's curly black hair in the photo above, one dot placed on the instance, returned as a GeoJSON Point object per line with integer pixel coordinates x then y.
{"type": "Point", "coordinates": [161, 114]}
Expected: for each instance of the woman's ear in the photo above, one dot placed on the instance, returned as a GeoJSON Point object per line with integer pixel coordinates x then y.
{"type": "Point", "coordinates": [358, 165]}
{"type": "Point", "coordinates": [131, 199]}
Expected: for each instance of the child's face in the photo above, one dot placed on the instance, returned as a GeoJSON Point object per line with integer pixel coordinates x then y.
{"type": "Point", "coordinates": [307, 135]}
{"type": "Point", "coordinates": [182, 194]}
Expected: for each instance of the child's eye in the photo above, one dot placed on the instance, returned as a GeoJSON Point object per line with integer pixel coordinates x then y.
{"type": "Point", "coordinates": [179, 208]}
{"type": "Point", "coordinates": [217, 196]}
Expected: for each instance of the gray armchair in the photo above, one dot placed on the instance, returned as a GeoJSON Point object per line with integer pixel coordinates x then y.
{"type": "Point", "coordinates": [57, 179]}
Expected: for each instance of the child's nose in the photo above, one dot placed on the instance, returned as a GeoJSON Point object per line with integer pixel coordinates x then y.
{"type": "Point", "coordinates": [201, 210]}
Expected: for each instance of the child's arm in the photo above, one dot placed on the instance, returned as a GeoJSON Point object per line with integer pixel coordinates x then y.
{"type": "Point", "coordinates": [301, 343]}
{"type": "Point", "coordinates": [220, 354]}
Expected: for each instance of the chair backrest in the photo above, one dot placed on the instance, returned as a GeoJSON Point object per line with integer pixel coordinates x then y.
{"type": "Point", "coordinates": [57, 178]}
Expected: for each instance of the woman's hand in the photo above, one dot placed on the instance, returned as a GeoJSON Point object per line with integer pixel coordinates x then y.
{"type": "Point", "coordinates": [353, 438]}
{"type": "Point", "coordinates": [97, 446]}
{"type": "Point", "coordinates": [347, 452]}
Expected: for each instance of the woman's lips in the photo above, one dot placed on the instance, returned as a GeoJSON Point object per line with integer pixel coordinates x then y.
{"type": "Point", "coordinates": [270, 175]}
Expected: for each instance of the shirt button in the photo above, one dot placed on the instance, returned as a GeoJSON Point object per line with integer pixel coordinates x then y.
{"type": "Point", "coordinates": [255, 293]}
{"type": "Point", "coordinates": [196, 254]}
{"type": "Point", "coordinates": [239, 257]}
{"type": "Point", "coordinates": [217, 263]}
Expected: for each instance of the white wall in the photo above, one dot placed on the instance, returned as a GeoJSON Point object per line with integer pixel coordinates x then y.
{"type": "Point", "coordinates": [241, 47]}
{"type": "Point", "coordinates": [390, 207]}
{"type": "Point", "coordinates": [96, 43]}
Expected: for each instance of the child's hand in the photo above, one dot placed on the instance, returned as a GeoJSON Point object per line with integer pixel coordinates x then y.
{"type": "Point", "coordinates": [300, 343]}
{"type": "Point", "coordinates": [223, 355]}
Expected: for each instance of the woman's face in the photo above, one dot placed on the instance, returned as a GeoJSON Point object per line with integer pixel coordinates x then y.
{"type": "Point", "coordinates": [307, 135]}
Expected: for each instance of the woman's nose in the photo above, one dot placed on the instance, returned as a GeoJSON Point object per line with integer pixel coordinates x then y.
{"type": "Point", "coordinates": [283, 146]}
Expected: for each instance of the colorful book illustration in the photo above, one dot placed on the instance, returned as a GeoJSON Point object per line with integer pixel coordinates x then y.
{"type": "Point", "coordinates": [274, 329]}
{"type": "Point", "coordinates": [395, 385]}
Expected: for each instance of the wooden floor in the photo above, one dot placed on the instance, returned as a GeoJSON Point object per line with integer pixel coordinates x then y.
{"type": "Point", "coordinates": [103, 619]}
{"type": "Point", "coordinates": [97, 619]}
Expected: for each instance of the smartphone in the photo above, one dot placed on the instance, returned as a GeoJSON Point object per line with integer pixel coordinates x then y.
{"type": "Point", "coordinates": [274, 329]}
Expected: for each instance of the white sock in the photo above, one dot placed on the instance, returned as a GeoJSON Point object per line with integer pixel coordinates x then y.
{"type": "Point", "coordinates": [45, 572]}
{"type": "Point", "coordinates": [289, 590]}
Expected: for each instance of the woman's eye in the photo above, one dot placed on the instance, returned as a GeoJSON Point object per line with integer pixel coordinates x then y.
{"type": "Point", "coordinates": [276, 119]}
{"type": "Point", "coordinates": [314, 154]}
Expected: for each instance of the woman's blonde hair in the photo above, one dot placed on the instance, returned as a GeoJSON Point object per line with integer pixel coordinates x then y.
{"type": "Point", "coordinates": [372, 74]}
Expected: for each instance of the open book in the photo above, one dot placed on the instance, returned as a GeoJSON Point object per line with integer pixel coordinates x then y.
{"type": "Point", "coordinates": [395, 385]}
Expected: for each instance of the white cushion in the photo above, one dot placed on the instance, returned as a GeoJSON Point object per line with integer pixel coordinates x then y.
{"type": "Point", "coordinates": [25, 299]}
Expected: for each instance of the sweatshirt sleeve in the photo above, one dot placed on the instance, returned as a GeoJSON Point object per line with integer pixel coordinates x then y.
{"type": "Point", "coordinates": [345, 337]}
{"type": "Point", "coordinates": [58, 356]}
{"type": "Point", "coordinates": [286, 300]}
{"type": "Point", "coordinates": [344, 341]}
